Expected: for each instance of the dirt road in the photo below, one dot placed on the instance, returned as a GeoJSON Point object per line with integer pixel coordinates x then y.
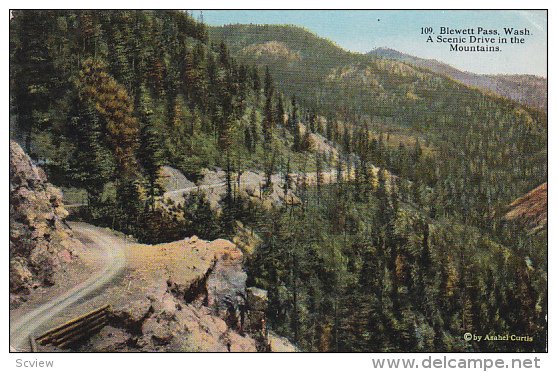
{"type": "Point", "coordinates": [113, 248]}
{"type": "Point", "coordinates": [252, 180]}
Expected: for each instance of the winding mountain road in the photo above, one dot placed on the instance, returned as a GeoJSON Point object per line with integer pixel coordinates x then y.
{"type": "Point", "coordinates": [113, 252]}
{"type": "Point", "coordinates": [112, 249]}
{"type": "Point", "coordinates": [178, 193]}
{"type": "Point", "coordinates": [220, 186]}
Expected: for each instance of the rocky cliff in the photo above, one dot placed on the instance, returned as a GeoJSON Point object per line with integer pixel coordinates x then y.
{"type": "Point", "coordinates": [188, 295]}
{"type": "Point", "coordinates": [40, 241]}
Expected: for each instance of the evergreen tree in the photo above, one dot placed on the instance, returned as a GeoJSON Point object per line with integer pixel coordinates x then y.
{"type": "Point", "coordinates": [200, 219]}
{"type": "Point", "coordinates": [128, 204]}
{"type": "Point", "coordinates": [256, 81]}
{"type": "Point", "coordinates": [297, 146]}
{"type": "Point", "coordinates": [150, 158]}
{"type": "Point", "coordinates": [318, 175]}
{"type": "Point", "coordinates": [268, 88]}
{"type": "Point", "coordinates": [287, 179]}
{"type": "Point", "coordinates": [254, 130]}
{"type": "Point", "coordinates": [293, 120]}
{"type": "Point", "coordinates": [279, 111]}
{"type": "Point", "coordinates": [35, 74]}
{"type": "Point", "coordinates": [91, 165]}
{"type": "Point", "coordinates": [268, 120]}
{"type": "Point", "coordinates": [113, 104]}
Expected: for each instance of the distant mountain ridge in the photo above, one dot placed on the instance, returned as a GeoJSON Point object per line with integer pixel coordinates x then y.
{"type": "Point", "coordinates": [527, 89]}
{"type": "Point", "coordinates": [318, 70]}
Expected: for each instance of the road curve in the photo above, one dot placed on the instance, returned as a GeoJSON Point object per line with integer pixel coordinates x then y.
{"type": "Point", "coordinates": [328, 177]}
{"type": "Point", "coordinates": [180, 192]}
{"type": "Point", "coordinates": [115, 261]}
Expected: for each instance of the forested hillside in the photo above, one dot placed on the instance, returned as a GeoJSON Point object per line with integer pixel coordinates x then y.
{"type": "Point", "coordinates": [406, 250]}
{"type": "Point", "coordinates": [487, 150]}
{"type": "Point", "coordinates": [103, 99]}
{"type": "Point", "coordinates": [527, 89]}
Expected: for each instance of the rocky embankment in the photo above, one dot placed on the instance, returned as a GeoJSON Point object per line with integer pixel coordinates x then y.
{"type": "Point", "coordinates": [530, 210]}
{"type": "Point", "coordinates": [41, 243]}
{"type": "Point", "coordinates": [188, 295]}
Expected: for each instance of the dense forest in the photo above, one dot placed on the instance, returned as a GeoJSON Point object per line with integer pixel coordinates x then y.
{"type": "Point", "coordinates": [406, 251]}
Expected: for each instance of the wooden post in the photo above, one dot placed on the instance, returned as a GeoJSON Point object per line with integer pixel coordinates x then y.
{"type": "Point", "coordinates": [33, 343]}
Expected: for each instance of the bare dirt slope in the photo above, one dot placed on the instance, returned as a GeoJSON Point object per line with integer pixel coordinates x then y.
{"type": "Point", "coordinates": [530, 210]}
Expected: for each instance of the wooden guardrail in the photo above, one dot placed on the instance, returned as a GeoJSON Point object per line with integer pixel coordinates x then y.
{"type": "Point", "coordinates": [75, 330]}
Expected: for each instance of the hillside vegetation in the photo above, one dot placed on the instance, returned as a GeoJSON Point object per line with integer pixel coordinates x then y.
{"type": "Point", "coordinates": [406, 248]}
{"type": "Point", "coordinates": [104, 99]}
{"type": "Point", "coordinates": [488, 150]}
{"type": "Point", "coordinates": [526, 89]}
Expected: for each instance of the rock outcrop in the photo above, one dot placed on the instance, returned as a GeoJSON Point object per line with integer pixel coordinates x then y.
{"type": "Point", "coordinates": [40, 241]}
{"type": "Point", "coordinates": [188, 295]}
{"type": "Point", "coordinates": [256, 321]}
{"type": "Point", "coordinates": [173, 179]}
{"type": "Point", "coordinates": [249, 184]}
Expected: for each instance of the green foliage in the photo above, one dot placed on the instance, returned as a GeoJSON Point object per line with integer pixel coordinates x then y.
{"type": "Point", "coordinates": [476, 143]}
{"type": "Point", "coordinates": [199, 218]}
{"type": "Point", "coordinates": [378, 277]}
{"type": "Point", "coordinates": [105, 98]}
{"type": "Point", "coordinates": [406, 251]}
{"type": "Point", "coordinates": [92, 163]}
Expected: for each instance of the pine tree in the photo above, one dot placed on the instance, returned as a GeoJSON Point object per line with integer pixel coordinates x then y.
{"type": "Point", "coordinates": [417, 153]}
{"type": "Point", "coordinates": [200, 219]}
{"type": "Point", "coordinates": [318, 175]}
{"type": "Point", "coordinates": [92, 164]}
{"type": "Point", "coordinates": [287, 178]}
{"type": "Point", "coordinates": [269, 170]}
{"type": "Point", "coordinates": [268, 88]}
{"type": "Point", "coordinates": [293, 120]}
{"type": "Point", "coordinates": [382, 194]}
{"type": "Point", "coordinates": [279, 111]}
{"type": "Point", "coordinates": [128, 204]}
{"type": "Point", "coordinates": [256, 81]}
{"type": "Point", "coordinates": [268, 121]}
{"type": "Point", "coordinates": [347, 140]}
{"type": "Point", "coordinates": [228, 214]}
{"type": "Point", "coordinates": [35, 75]}
{"type": "Point", "coordinates": [297, 146]}
{"type": "Point", "coordinates": [114, 105]}
{"type": "Point", "coordinates": [150, 158]}
{"type": "Point", "coordinates": [248, 141]}
{"type": "Point", "coordinates": [306, 142]}
{"type": "Point", "coordinates": [312, 121]}
{"type": "Point", "coordinates": [254, 129]}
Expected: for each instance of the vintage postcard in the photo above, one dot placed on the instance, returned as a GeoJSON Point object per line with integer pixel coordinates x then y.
{"type": "Point", "coordinates": [278, 181]}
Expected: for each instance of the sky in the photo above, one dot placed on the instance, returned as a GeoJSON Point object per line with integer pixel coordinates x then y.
{"type": "Point", "coordinates": [364, 30]}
